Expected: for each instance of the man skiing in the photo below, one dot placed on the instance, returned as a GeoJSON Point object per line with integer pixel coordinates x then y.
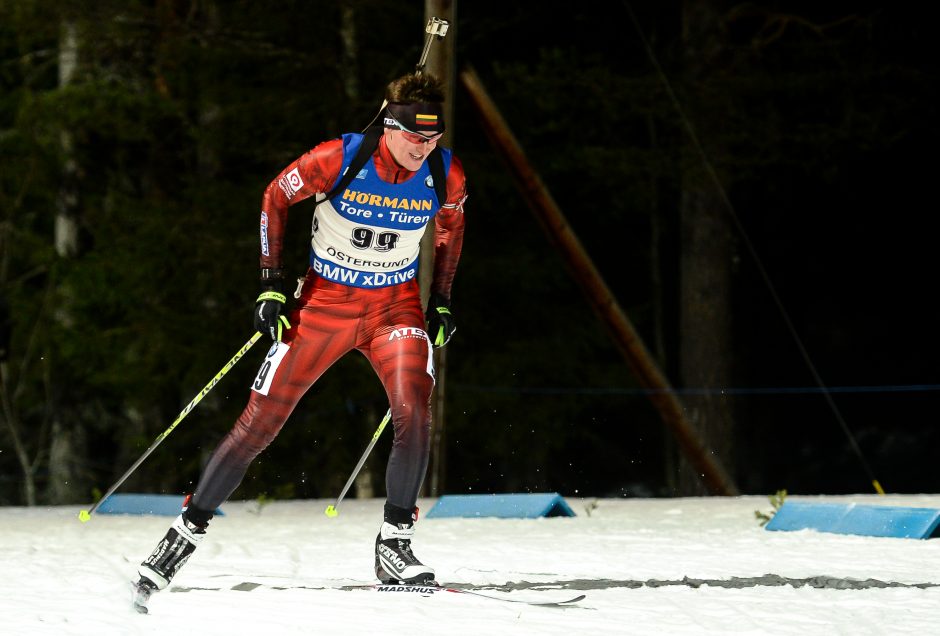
{"type": "Point", "coordinates": [360, 292]}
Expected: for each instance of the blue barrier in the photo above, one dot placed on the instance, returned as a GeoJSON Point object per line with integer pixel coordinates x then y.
{"type": "Point", "coordinates": [860, 519]}
{"type": "Point", "coordinates": [506, 506]}
{"type": "Point", "coordinates": [144, 504]}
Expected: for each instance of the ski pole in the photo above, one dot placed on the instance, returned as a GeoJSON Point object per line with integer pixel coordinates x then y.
{"type": "Point", "coordinates": [331, 509]}
{"type": "Point", "coordinates": [85, 515]}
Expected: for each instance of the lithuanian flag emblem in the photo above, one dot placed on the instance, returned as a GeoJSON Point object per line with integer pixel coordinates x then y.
{"type": "Point", "coordinates": [426, 120]}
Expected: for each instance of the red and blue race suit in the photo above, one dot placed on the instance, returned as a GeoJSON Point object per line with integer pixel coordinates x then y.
{"type": "Point", "coordinates": [361, 293]}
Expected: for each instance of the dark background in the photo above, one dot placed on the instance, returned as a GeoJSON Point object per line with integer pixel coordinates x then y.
{"type": "Point", "coordinates": [821, 121]}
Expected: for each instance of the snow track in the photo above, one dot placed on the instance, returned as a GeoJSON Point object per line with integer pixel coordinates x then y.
{"type": "Point", "coordinates": [663, 566]}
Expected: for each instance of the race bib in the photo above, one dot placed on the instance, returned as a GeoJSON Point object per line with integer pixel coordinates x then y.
{"type": "Point", "coordinates": [262, 381]}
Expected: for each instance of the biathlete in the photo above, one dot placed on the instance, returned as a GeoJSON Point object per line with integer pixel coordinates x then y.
{"type": "Point", "coordinates": [360, 292]}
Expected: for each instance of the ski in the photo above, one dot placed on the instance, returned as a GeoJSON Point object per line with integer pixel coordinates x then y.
{"type": "Point", "coordinates": [142, 591]}
{"type": "Point", "coordinates": [535, 598]}
{"type": "Point", "coordinates": [429, 590]}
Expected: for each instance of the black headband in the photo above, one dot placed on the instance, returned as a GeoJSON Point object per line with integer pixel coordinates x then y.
{"type": "Point", "coordinates": [420, 117]}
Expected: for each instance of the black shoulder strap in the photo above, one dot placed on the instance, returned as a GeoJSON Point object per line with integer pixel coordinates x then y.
{"type": "Point", "coordinates": [436, 166]}
{"type": "Point", "coordinates": [370, 141]}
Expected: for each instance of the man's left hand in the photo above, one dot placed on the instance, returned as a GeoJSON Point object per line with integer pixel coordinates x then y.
{"type": "Point", "coordinates": [441, 325]}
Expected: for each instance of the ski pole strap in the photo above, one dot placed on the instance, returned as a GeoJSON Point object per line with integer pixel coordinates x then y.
{"type": "Point", "coordinates": [272, 295]}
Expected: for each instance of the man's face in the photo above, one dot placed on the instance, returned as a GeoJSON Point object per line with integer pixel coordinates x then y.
{"type": "Point", "coordinates": [409, 149]}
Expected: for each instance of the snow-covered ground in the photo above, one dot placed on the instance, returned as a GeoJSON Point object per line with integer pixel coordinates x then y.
{"type": "Point", "coordinates": [647, 566]}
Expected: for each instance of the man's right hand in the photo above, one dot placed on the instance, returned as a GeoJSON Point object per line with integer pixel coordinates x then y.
{"type": "Point", "coordinates": [268, 318]}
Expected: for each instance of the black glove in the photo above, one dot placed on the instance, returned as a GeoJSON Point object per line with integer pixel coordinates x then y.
{"type": "Point", "coordinates": [270, 304]}
{"type": "Point", "coordinates": [441, 325]}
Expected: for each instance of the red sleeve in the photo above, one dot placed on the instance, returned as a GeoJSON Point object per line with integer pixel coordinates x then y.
{"type": "Point", "coordinates": [448, 230]}
{"type": "Point", "coordinates": [314, 172]}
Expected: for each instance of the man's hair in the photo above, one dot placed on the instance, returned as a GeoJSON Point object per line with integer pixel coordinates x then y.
{"type": "Point", "coordinates": [413, 88]}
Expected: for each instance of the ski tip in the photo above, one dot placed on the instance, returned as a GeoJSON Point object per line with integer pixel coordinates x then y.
{"type": "Point", "coordinates": [84, 516]}
{"type": "Point", "coordinates": [142, 590]}
{"type": "Point", "coordinates": [331, 511]}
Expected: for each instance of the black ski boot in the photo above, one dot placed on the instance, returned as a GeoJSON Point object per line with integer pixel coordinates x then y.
{"type": "Point", "coordinates": [170, 555]}
{"type": "Point", "coordinates": [395, 563]}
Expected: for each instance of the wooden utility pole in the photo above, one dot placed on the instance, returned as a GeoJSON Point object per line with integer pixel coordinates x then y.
{"type": "Point", "coordinates": [560, 234]}
{"type": "Point", "coordinates": [706, 236]}
{"type": "Point", "coordinates": [440, 63]}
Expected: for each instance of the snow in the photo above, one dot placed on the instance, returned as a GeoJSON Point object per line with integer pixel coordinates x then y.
{"type": "Point", "coordinates": [630, 557]}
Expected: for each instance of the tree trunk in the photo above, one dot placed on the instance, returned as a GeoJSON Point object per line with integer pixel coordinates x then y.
{"type": "Point", "coordinates": [705, 351]}
{"type": "Point", "coordinates": [63, 451]}
{"type": "Point", "coordinates": [13, 427]}
{"type": "Point", "coordinates": [66, 225]}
